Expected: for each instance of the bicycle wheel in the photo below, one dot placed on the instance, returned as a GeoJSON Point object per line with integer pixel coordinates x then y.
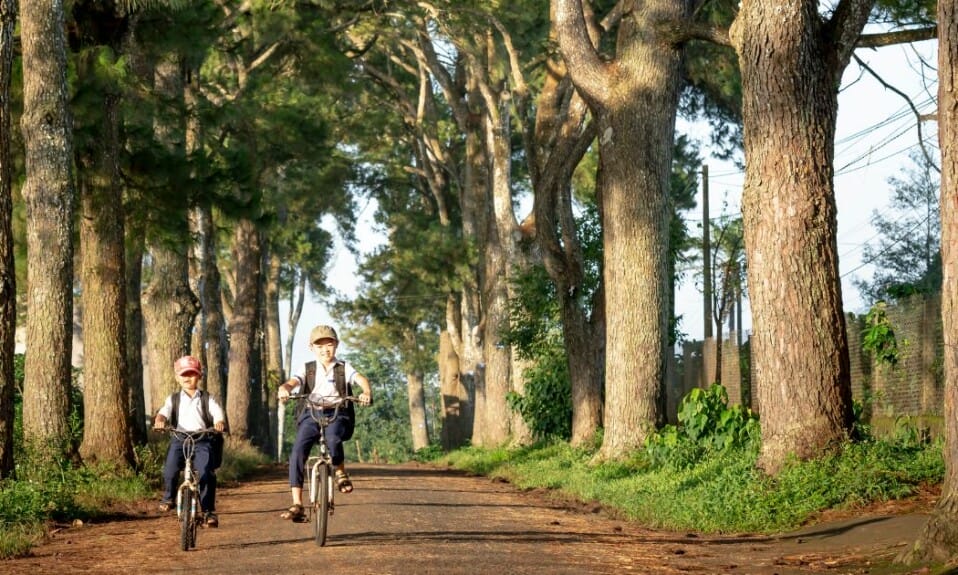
{"type": "Point", "coordinates": [321, 505]}
{"type": "Point", "coordinates": [187, 519]}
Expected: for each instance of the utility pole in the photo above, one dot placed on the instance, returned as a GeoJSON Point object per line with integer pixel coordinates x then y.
{"type": "Point", "coordinates": [706, 253]}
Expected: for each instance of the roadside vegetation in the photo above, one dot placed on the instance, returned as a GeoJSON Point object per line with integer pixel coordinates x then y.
{"type": "Point", "coordinates": [700, 475]}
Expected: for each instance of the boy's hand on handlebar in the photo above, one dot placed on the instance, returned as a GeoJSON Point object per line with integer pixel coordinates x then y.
{"type": "Point", "coordinates": [283, 393]}
{"type": "Point", "coordinates": [365, 399]}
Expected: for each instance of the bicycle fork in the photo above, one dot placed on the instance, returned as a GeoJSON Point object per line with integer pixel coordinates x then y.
{"type": "Point", "coordinates": [314, 484]}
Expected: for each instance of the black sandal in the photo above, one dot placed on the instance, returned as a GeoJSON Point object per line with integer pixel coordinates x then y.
{"type": "Point", "coordinates": [343, 483]}
{"type": "Point", "coordinates": [294, 513]}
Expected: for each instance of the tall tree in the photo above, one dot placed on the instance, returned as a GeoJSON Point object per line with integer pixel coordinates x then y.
{"type": "Point", "coordinates": [8, 276]}
{"type": "Point", "coordinates": [106, 434]}
{"type": "Point", "coordinates": [50, 202]}
{"type": "Point", "coordinates": [938, 540]}
{"type": "Point", "coordinates": [633, 97]}
{"type": "Point", "coordinates": [792, 59]}
{"type": "Point", "coordinates": [169, 305]}
{"type": "Point", "coordinates": [243, 326]}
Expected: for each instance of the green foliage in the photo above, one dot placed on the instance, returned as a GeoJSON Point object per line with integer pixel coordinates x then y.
{"type": "Point", "coordinates": [707, 425]}
{"type": "Point", "coordinates": [907, 256]}
{"type": "Point", "coordinates": [878, 337]}
{"type": "Point", "coordinates": [535, 332]}
{"type": "Point", "coordinates": [546, 406]}
{"type": "Point", "coordinates": [721, 493]}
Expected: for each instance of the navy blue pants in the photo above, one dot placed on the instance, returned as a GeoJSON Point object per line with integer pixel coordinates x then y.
{"type": "Point", "coordinates": [307, 434]}
{"type": "Point", "coordinates": [202, 463]}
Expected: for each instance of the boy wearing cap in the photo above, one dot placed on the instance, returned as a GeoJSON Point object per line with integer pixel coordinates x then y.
{"type": "Point", "coordinates": [323, 342]}
{"type": "Point", "coordinates": [191, 415]}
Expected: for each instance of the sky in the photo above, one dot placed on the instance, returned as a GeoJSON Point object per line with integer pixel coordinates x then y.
{"type": "Point", "coordinates": [876, 131]}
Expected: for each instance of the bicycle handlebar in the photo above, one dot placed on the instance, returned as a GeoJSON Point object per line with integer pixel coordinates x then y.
{"type": "Point", "coordinates": [319, 404]}
{"type": "Point", "coordinates": [182, 433]}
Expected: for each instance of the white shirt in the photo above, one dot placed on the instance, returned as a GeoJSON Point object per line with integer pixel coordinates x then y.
{"type": "Point", "coordinates": [190, 417]}
{"type": "Point", "coordinates": [324, 388]}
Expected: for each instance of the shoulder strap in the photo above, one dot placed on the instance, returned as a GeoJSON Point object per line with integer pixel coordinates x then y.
{"type": "Point", "coordinates": [174, 408]}
{"type": "Point", "coordinates": [205, 405]}
{"type": "Point", "coordinates": [310, 382]}
{"type": "Point", "coordinates": [307, 386]}
{"type": "Point", "coordinates": [339, 377]}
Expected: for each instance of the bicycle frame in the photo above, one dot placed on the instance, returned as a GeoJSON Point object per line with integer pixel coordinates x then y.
{"type": "Point", "coordinates": [320, 468]}
{"type": "Point", "coordinates": [188, 493]}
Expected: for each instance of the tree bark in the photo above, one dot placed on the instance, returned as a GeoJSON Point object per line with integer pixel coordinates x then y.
{"type": "Point", "coordinates": [634, 99]}
{"type": "Point", "coordinates": [275, 375]}
{"type": "Point", "coordinates": [242, 327]}
{"type": "Point", "coordinates": [417, 411]}
{"type": "Point", "coordinates": [106, 434]}
{"type": "Point", "coordinates": [938, 540]}
{"type": "Point", "coordinates": [135, 248]}
{"type": "Point", "coordinates": [8, 279]}
{"type": "Point", "coordinates": [169, 305]}
{"type": "Point", "coordinates": [49, 196]}
{"type": "Point", "coordinates": [791, 67]}
{"type": "Point", "coordinates": [209, 341]}
{"type": "Point", "coordinates": [559, 139]}
{"type": "Point", "coordinates": [455, 403]}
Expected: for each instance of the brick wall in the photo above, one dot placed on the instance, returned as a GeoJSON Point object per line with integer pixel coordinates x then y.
{"type": "Point", "coordinates": [913, 388]}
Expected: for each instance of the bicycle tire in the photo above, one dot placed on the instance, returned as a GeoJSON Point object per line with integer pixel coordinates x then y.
{"type": "Point", "coordinates": [321, 505]}
{"type": "Point", "coordinates": [187, 520]}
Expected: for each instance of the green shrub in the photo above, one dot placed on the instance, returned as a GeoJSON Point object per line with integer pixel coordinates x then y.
{"type": "Point", "coordinates": [546, 405]}
{"type": "Point", "coordinates": [706, 424]}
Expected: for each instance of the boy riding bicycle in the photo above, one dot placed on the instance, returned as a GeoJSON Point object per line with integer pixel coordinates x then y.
{"type": "Point", "coordinates": [320, 380]}
{"type": "Point", "coordinates": [195, 410]}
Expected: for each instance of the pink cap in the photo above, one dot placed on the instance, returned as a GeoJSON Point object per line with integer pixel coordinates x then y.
{"type": "Point", "coordinates": [187, 364]}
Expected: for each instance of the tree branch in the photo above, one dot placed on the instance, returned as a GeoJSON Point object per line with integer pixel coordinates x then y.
{"type": "Point", "coordinates": [914, 109]}
{"type": "Point", "coordinates": [899, 37]}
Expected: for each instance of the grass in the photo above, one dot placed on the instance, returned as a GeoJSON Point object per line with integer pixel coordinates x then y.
{"type": "Point", "coordinates": [61, 493]}
{"type": "Point", "coordinates": [720, 493]}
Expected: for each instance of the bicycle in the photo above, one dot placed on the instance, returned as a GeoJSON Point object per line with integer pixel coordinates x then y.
{"type": "Point", "coordinates": [321, 480]}
{"type": "Point", "coordinates": [188, 495]}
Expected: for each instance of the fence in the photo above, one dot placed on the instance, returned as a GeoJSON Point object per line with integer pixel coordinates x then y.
{"type": "Point", "coordinates": [912, 388]}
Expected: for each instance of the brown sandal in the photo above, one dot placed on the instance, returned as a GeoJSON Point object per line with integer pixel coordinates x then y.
{"type": "Point", "coordinates": [294, 513]}
{"type": "Point", "coordinates": [343, 483]}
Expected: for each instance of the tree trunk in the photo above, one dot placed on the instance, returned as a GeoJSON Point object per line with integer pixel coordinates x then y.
{"type": "Point", "coordinates": [242, 327]}
{"type": "Point", "coordinates": [938, 540]}
{"type": "Point", "coordinates": [49, 197]}
{"type": "Point", "coordinates": [169, 310]}
{"type": "Point", "coordinates": [296, 298]}
{"type": "Point", "coordinates": [800, 349]}
{"type": "Point", "coordinates": [275, 375]}
{"type": "Point", "coordinates": [560, 141]}
{"type": "Point", "coordinates": [498, 255]}
{"type": "Point", "coordinates": [8, 277]}
{"type": "Point", "coordinates": [417, 411]}
{"type": "Point", "coordinates": [106, 434]}
{"type": "Point", "coordinates": [456, 407]}
{"type": "Point", "coordinates": [135, 247]}
{"type": "Point", "coordinates": [634, 100]}
{"type": "Point", "coordinates": [169, 305]}
{"type": "Point", "coordinates": [209, 342]}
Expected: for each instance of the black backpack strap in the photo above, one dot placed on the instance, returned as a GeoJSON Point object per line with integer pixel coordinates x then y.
{"type": "Point", "coordinates": [205, 404]}
{"type": "Point", "coordinates": [306, 386]}
{"type": "Point", "coordinates": [174, 408]}
{"type": "Point", "coordinates": [339, 377]}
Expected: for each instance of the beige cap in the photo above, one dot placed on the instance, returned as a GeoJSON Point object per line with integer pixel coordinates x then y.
{"type": "Point", "coordinates": [322, 332]}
